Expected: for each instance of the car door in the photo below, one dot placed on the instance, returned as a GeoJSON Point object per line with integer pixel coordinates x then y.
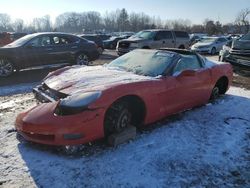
{"type": "Point", "coordinates": [163, 39]}
{"type": "Point", "coordinates": [36, 52]}
{"type": "Point", "coordinates": [187, 86]}
{"type": "Point", "coordinates": [62, 47]}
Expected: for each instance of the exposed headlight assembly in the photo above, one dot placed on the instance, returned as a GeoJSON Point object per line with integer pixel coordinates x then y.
{"type": "Point", "coordinates": [76, 103]}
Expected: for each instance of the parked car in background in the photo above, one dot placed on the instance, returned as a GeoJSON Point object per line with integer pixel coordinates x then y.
{"type": "Point", "coordinates": [4, 38]}
{"type": "Point", "coordinates": [79, 107]}
{"type": "Point", "coordinates": [95, 38]}
{"type": "Point", "coordinates": [154, 39]}
{"type": "Point", "coordinates": [210, 45]}
{"type": "Point", "coordinates": [104, 36]}
{"type": "Point", "coordinates": [14, 36]}
{"type": "Point", "coordinates": [45, 48]}
{"type": "Point", "coordinates": [195, 37]}
{"type": "Point", "coordinates": [237, 53]}
{"type": "Point", "coordinates": [112, 42]}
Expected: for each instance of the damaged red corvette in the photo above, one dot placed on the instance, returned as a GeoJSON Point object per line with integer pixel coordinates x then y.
{"type": "Point", "coordinates": [81, 104]}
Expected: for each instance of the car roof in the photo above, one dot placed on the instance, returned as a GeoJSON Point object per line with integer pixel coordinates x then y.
{"type": "Point", "coordinates": [51, 33]}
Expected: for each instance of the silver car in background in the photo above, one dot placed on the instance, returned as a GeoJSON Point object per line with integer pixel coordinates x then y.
{"type": "Point", "coordinates": [210, 45]}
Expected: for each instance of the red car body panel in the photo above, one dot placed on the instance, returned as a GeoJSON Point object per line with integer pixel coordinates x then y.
{"type": "Point", "coordinates": [162, 97]}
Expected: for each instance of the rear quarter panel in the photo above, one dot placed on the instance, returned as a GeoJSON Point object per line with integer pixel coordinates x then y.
{"type": "Point", "coordinates": [220, 70]}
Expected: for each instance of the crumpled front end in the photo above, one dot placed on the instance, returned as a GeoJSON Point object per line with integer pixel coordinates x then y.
{"type": "Point", "coordinates": [239, 55]}
{"type": "Point", "coordinates": [42, 125]}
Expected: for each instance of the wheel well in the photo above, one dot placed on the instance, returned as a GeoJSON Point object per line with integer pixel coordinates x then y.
{"type": "Point", "coordinates": [145, 47]}
{"type": "Point", "coordinates": [222, 83]}
{"type": "Point", "coordinates": [137, 107]}
{"type": "Point", "coordinates": [11, 60]}
{"type": "Point", "coordinates": [182, 47]}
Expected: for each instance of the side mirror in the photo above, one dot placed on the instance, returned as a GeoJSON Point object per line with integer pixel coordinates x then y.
{"type": "Point", "coordinates": [187, 73]}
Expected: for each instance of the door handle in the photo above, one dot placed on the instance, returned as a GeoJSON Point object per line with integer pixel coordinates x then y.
{"type": "Point", "coordinates": [163, 42]}
{"type": "Point", "coordinates": [49, 49]}
{"type": "Point", "coordinates": [73, 47]}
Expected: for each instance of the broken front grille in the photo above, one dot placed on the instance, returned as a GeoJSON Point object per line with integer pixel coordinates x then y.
{"type": "Point", "coordinates": [45, 94]}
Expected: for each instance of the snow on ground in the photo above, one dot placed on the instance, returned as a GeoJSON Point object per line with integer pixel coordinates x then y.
{"type": "Point", "coordinates": [208, 146]}
{"type": "Point", "coordinates": [15, 89]}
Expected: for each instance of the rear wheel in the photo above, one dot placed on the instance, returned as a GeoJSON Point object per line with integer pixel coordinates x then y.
{"type": "Point", "coordinates": [215, 93]}
{"type": "Point", "coordinates": [82, 59]}
{"type": "Point", "coordinates": [6, 67]}
{"type": "Point", "coordinates": [100, 50]}
{"type": "Point", "coordinates": [220, 88]}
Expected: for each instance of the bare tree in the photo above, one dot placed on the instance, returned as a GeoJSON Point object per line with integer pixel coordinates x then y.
{"type": "Point", "coordinates": [42, 24]}
{"type": "Point", "coordinates": [242, 20]}
{"type": "Point", "coordinates": [18, 25]}
{"type": "Point", "coordinates": [5, 22]}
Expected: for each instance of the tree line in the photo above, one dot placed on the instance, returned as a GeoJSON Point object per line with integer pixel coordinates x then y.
{"type": "Point", "coordinates": [119, 21]}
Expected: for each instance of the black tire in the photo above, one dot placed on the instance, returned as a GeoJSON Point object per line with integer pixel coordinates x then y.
{"type": "Point", "coordinates": [219, 89]}
{"type": "Point", "coordinates": [100, 50]}
{"type": "Point", "coordinates": [213, 51]}
{"type": "Point", "coordinates": [82, 59]}
{"type": "Point", "coordinates": [215, 93]}
{"type": "Point", "coordinates": [6, 67]}
{"type": "Point", "coordinates": [117, 118]}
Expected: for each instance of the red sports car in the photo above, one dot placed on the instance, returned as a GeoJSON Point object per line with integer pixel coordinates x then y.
{"type": "Point", "coordinates": [86, 103]}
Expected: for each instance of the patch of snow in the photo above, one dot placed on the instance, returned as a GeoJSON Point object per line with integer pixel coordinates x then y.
{"type": "Point", "coordinates": [204, 147]}
{"type": "Point", "coordinates": [16, 89]}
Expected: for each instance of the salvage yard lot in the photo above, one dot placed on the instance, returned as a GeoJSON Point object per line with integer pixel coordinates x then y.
{"type": "Point", "coordinates": [208, 146]}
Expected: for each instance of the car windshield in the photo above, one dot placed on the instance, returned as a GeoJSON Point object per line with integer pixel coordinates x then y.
{"type": "Point", "coordinates": [144, 35]}
{"type": "Point", "coordinates": [21, 41]}
{"type": "Point", "coordinates": [208, 39]}
{"type": "Point", "coordinates": [144, 62]}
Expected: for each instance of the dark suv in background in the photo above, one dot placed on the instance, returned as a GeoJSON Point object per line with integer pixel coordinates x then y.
{"type": "Point", "coordinates": [95, 38]}
{"type": "Point", "coordinates": [154, 39]}
{"type": "Point", "coordinates": [45, 49]}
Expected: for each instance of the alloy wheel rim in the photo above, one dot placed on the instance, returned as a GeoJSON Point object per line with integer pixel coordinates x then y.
{"type": "Point", "coordinates": [215, 92]}
{"type": "Point", "coordinates": [82, 59]}
{"type": "Point", "coordinates": [124, 121]}
{"type": "Point", "coordinates": [5, 68]}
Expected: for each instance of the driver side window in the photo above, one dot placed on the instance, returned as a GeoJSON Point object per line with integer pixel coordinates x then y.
{"type": "Point", "coordinates": [186, 62]}
{"type": "Point", "coordinates": [40, 41]}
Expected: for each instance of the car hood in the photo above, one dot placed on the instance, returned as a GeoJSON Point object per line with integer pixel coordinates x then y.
{"type": "Point", "coordinates": [133, 39]}
{"type": "Point", "coordinates": [199, 44]}
{"type": "Point", "coordinates": [241, 44]}
{"type": "Point", "coordinates": [91, 78]}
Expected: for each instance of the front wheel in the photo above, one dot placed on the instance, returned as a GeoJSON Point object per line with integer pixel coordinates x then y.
{"type": "Point", "coordinates": [82, 59]}
{"type": "Point", "coordinates": [118, 117]}
{"type": "Point", "coordinates": [6, 67]}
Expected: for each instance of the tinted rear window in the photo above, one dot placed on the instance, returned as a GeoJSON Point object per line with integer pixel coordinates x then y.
{"type": "Point", "coordinates": [181, 34]}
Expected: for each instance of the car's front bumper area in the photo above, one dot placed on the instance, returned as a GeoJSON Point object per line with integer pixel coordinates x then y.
{"type": "Point", "coordinates": [239, 61]}
{"type": "Point", "coordinates": [41, 125]}
{"type": "Point", "coordinates": [45, 94]}
{"type": "Point", "coordinates": [202, 50]}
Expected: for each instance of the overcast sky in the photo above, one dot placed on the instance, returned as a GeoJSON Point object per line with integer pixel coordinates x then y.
{"type": "Point", "coordinates": [195, 10]}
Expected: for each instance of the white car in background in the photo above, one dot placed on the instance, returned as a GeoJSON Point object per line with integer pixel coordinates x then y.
{"type": "Point", "coordinates": [210, 45]}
